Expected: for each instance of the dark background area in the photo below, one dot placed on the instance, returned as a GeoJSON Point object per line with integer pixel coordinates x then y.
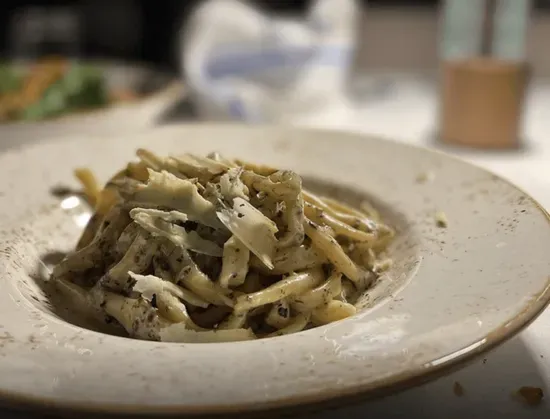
{"type": "Point", "coordinates": [132, 29]}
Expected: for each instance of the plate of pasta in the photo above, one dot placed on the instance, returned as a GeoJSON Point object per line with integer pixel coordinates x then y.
{"type": "Point", "coordinates": [149, 274]}
{"type": "Point", "coordinates": [198, 249]}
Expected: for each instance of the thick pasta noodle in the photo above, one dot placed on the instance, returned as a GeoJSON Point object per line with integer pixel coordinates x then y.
{"type": "Point", "coordinates": [208, 249]}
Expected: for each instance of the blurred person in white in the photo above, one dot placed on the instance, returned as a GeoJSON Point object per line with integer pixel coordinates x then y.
{"type": "Point", "coordinates": [241, 63]}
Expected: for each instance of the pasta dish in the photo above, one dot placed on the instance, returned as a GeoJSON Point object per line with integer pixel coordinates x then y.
{"type": "Point", "coordinates": [207, 249]}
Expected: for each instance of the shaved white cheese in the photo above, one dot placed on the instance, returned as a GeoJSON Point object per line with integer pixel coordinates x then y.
{"type": "Point", "coordinates": [252, 228]}
{"type": "Point", "coordinates": [148, 285]}
{"type": "Point", "coordinates": [179, 333]}
{"type": "Point", "coordinates": [169, 216]}
{"type": "Point", "coordinates": [158, 223]}
{"type": "Point", "coordinates": [166, 190]}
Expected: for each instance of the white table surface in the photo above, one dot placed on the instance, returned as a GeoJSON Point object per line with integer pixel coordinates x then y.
{"type": "Point", "coordinates": [407, 113]}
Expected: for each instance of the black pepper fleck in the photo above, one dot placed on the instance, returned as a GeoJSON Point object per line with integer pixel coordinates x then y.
{"type": "Point", "coordinates": [154, 301]}
{"type": "Point", "coordinates": [282, 311]}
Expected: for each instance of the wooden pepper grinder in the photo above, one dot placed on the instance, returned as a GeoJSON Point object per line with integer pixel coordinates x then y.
{"type": "Point", "coordinates": [484, 75]}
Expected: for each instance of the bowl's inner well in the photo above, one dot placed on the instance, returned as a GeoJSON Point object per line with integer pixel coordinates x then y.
{"type": "Point", "coordinates": [65, 221]}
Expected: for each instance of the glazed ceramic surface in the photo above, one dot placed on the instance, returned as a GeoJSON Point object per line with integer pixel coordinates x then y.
{"type": "Point", "coordinates": [452, 293]}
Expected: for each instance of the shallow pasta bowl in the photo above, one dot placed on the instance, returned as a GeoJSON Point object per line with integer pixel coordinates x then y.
{"type": "Point", "coordinates": [452, 293]}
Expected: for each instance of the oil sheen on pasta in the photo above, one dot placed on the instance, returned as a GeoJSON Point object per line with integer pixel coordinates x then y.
{"type": "Point", "coordinates": [207, 249]}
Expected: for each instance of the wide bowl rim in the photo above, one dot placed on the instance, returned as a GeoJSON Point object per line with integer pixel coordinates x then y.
{"type": "Point", "coordinates": [382, 387]}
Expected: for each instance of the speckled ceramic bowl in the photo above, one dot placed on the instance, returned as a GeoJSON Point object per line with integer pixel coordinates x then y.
{"type": "Point", "coordinates": [453, 293]}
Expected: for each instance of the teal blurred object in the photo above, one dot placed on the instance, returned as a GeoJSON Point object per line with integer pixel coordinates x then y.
{"type": "Point", "coordinates": [490, 28]}
{"type": "Point", "coordinates": [512, 18]}
{"type": "Point", "coordinates": [461, 29]}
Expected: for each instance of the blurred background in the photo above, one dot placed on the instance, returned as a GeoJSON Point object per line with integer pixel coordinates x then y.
{"type": "Point", "coordinates": [297, 56]}
{"type": "Point", "coordinates": [414, 80]}
{"type": "Point", "coordinates": [404, 31]}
